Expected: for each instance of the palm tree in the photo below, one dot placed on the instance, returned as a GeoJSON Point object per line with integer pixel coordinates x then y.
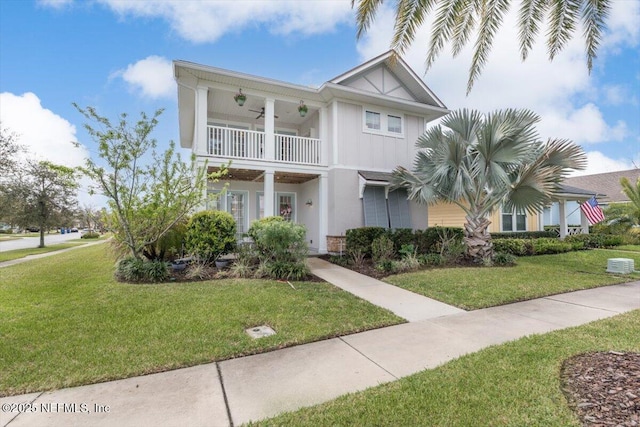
{"type": "Point", "coordinates": [630, 213]}
{"type": "Point", "coordinates": [455, 20]}
{"type": "Point", "coordinates": [481, 162]}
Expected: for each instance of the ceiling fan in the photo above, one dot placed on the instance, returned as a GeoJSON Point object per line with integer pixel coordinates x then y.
{"type": "Point", "coordinates": [261, 111]}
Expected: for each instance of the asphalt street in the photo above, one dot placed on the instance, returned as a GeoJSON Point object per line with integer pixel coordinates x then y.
{"type": "Point", "coordinates": [33, 242]}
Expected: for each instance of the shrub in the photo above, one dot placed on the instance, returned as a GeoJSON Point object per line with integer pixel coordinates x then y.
{"type": "Point", "coordinates": [517, 247]}
{"type": "Point", "coordinates": [241, 268]}
{"type": "Point", "coordinates": [210, 234]}
{"type": "Point", "coordinates": [170, 245]}
{"type": "Point", "coordinates": [382, 249]}
{"type": "Point", "coordinates": [612, 240]}
{"type": "Point", "coordinates": [135, 270]}
{"type": "Point", "coordinates": [387, 265]}
{"type": "Point", "coordinates": [258, 225]}
{"type": "Point", "coordinates": [357, 257]}
{"type": "Point", "coordinates": [401, 237]}
{"type": "Point", "coordinates": [407, 250]}
{"type": "Point", "coordinates": [550, 246]}
{"type": "Point", "coordinates": [282, 248]}
{"type": "Point", "coordinates": [503, 259]}
{"type": "Point", "coordinates": [525, 235]}
{"type": "Point", "coordinates": [362, 238]}
{"type": "Point", "coordinates": [90, 235]}
{"type": "Point", "coordinates": [430, 239]}
{"type": "Point", "coordinates": [339, 260]}
{"type": "Point", "coordinates": [6, 231]}
{"type": "Point", "coordinates": [407, 263]}
{"type": "Point", "coordinates": [596, 240]}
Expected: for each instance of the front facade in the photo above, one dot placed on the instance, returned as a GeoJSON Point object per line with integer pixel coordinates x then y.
{"type": "Point", "coordinates": [325, 165]}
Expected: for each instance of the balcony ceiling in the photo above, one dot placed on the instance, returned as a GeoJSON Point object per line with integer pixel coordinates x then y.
{"type": "Point", "coordinates": [255, 175]}
{"type": "Point", "coordinates": [222, 105]}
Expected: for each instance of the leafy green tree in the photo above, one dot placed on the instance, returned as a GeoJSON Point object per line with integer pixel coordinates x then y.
{"type": "Point", "coordinates": [480, 162]}
{"type": "Point", "coordinates": [457, 20]}
{"type": "Point", "coordinates": [148, 193]}
{"type": "Point", "coordinates": [43, 194]}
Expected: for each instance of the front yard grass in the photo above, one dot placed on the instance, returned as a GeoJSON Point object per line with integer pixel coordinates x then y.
{"type": "Point", "coordinates": [513, 384]}
{"type": "Point", "coordinates": [64, 321]}
{"type": "Point", "coordinates": [21, 253]}
{"type": "Point", "coordinates": [633, 248]}
{"type": "Point", "coordinates": [533, 277]}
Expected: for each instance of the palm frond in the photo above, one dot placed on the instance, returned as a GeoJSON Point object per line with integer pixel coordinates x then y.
{"type": "Point", "coordinates": [417, 189]}
{"type": "Point", "coordinates": [444, 22]}
{"type": "Point", "coordinates": [631, 191]}
{"type": "Point", "coordinates": [562, 24]}
{"type": "Point", "coordinates": [410, 16]}
{"type": "Point", "coordinates": [464, 25]}
{"type": "Point", "coordinates": [533, 189]}
{"type": "Point", "coordinates": [365, 15]}
{"type": "Point", "coordinates": [594, 13]}
{"type": "Point", "coordinates": [491, 16]}
{"type": "Point", "coordinates": [530, 17]}
{"type": "Point", "coordinates": [564, 154]}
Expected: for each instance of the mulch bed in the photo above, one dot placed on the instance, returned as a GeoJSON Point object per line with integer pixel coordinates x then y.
{"type": "Point", "coordinates": [213, 273]}
{"type": "Point", "coordinates": [604, 388]}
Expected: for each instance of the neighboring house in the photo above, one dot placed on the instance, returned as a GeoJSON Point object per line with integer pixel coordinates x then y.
{"type": "Point", "coordinates": [607, 184]}
{"type": "Point", "coordinates": [566, 207]}
{"type": "Point", "coordinates": [326, 166]}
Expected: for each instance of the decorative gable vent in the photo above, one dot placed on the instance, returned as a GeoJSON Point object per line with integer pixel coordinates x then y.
{"type": "Point", "coordinates": [620, 265]}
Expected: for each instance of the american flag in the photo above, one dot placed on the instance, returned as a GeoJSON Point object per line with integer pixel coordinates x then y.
{"type": "Point", "coordinates": [592, 211]}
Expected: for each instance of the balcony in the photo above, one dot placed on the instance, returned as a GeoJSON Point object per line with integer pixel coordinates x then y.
{"type": "Point", "coordinates": [250, 145]}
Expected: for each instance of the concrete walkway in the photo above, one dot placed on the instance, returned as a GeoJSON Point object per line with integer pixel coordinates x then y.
{"type": "Point", "coordinates": [236, 391]}
{"type": "Point", "coordinates": [406, 304]}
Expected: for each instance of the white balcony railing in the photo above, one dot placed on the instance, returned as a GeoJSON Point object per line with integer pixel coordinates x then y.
{"type": "Point", "coordinates": [238, 143]}
{"type": "Point", "coordinates": [248, 144]}
{"type": "Point", "coordinates": [296, 149]}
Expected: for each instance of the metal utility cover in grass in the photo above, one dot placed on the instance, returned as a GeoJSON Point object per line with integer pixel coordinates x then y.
{"type": "Point", "coordinates": [260, 331]}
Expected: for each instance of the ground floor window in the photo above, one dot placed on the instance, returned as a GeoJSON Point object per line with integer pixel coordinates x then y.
{"type": "Point", "coordinates": [234, 202]}
{"type": "Point", "coordinates": [385, 209]}
{"type": "Point", "coordinates": [514, 221]}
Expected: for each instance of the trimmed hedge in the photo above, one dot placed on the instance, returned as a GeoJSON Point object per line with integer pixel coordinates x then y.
{"type": "Point", "coordinates": [525, 235]}
{"type": "Point", "coordinates": [596, 240]}
{"type": "Point", "coordinates": [425, 241]}
{"type": "Point", "coordinates": [362, 238]}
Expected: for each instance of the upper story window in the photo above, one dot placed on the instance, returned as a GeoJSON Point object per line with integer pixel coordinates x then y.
{"type": "Point", "coordinates": [394, 124]}
{"type": "Point", "coordinates": [372, 120]}
{"type": "Point", "coordinates": [383, 122]}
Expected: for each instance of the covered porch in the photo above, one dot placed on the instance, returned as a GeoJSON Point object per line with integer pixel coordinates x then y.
{"type": "Point", "coordinates": [564, 216]}
{"type": "Point", "coordinates": [249, 194]}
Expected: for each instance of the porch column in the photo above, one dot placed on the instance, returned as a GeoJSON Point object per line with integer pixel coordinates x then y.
{"type": "Point", "coordinates": [562, 207]}
{"type": "Point", "coordinates": [268, 194]}
{"type": "Point", "coordinates": [269, 130]}
{"type": "Point", "coordinates": [584, 222]}
{"type": "Point", "coordinates": [200, 131]}
{"type": "Point", "coordinates": [323, 136]}
{"type": "Point", "coordinates": [323, 212]}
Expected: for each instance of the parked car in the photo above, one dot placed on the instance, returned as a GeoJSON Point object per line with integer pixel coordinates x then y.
{"type": "Point", "coordinates": [74, 230]}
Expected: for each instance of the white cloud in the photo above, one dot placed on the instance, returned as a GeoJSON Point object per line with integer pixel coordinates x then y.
{"type": "Point", "coordinates": [550, 89]}
{"type": "Point", "coordinates": [623, 28]}
{"type": "Point", "coordinates": [599, 163]}
{"type": "Point", "coordinates": [200, 21]}
{"type": "Point", "coordinates": [55, 4]}
{"type": "Point", "coordinates": [152, 76]}
{"type": "Point", "coordinates": [45, 134]}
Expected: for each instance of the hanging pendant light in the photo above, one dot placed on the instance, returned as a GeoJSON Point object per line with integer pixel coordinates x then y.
{"type": "Point", "coordinates": [240, 97]}
{"type": "Point", "coordinates": [302, 109]}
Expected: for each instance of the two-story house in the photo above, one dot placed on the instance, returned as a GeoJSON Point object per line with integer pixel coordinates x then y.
{"type": "Point", "coordinates": [317, 156]}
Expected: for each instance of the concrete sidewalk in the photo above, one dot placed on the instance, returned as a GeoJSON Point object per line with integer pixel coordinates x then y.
{"type": "Point", "coordinates": [236, 391]}
{"type": "Point", "coordinates": [46, 254]}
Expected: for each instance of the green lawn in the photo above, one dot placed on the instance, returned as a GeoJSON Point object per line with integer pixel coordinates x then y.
{"type": "Point", "coordinates": [64, 321]}
{"type": "Point", "coordinates": [634, 248]}
{"type": "Point", "coordinates": [472, 288]}
{"type": "Point", "coordinates": [514, 384]}
{"type": "Point", "coordinates": [21, 253]}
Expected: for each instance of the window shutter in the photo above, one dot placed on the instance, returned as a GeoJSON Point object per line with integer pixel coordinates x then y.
{"type": "Point", "coordinates": [399, 209]}
{"type": "Point", "coordinates": [375, 207]}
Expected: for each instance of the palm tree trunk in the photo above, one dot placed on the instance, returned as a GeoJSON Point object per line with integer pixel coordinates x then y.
{"type": "Point", "coordinates": [478, 240]}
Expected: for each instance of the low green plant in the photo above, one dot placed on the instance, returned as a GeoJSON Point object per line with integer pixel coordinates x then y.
{"type": "Point", "coordinates": [517, 247]}
{"type": "Point", "coordinates": [357, 257]}
{"type": "Point", "coordinates": [407, 250]}
{"type": "Point", "coordinates": [386, 265]}
{"type": "Point", "coordinates": [429, 240]}
{"type": "Point", "coordinates": [241, 268]}
{"type": "Point", "coordinates": [547, 245]}
{"type": "Point", "coordinates": [431, 260]}
{"type": "Point", "coordinates": [407, 263]}
{"type": "Point", "coordinates": [282, 247]}
{"type": "Point", "coordinates": [503, 259]}
{"type": "Point", "coordinates": [197, 271]}
{"type": "Point", "coordinates": [526, 234]}
{"type": "Point", "coordinates": [133, 270]}
{"type": "Point", "coordinates": [339, 260]}
{"type": "Point", "coordinates": [401, 237]}
{"type": "Point", "coordinates": [382, 249]}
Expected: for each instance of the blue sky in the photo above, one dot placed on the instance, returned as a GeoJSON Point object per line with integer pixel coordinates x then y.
{"type": "Point", "coordinates": [115, 56]}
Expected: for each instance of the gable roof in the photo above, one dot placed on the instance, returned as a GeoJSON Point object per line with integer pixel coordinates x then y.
{"type": "Point", "coordinates": [607, 184]}
{"type": "Point", "coordinates": [394, 63]}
